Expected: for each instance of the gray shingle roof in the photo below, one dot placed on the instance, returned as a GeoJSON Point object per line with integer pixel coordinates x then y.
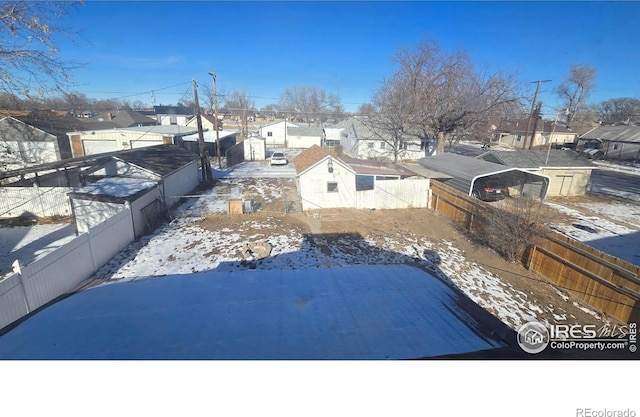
{"type": "Point", "coordinates": [304, 131]}
{"type": "Point", "coordinates": [526, 159]}
{"type": "Point", "coordinates": [614, 134]}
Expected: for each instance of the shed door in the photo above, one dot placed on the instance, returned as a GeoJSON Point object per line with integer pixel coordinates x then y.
{"type": "Point", "coordinates": [92, 147]}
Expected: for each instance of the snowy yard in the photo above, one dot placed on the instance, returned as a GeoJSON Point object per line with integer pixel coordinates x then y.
{"type": "Point", "coordinates": [201, 241]}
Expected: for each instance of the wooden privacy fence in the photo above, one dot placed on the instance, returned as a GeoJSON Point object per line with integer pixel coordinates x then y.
{"type": "Point", "coordinates": [605, 282]}
{"type": "Point", "coordinates": [34, 285]}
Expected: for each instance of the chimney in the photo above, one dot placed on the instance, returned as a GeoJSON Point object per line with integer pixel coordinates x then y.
{"type": "Point", "coordinates": [109, 116]}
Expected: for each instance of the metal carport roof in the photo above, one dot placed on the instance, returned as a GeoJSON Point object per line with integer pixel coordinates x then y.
{"type": "Point", "coordinates": [465, 171]}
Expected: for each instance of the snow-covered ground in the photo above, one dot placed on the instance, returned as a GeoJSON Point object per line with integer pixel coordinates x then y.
{"type": "Point", "coordinates": [30, 243]}
{"type": "Point", "coordinates": [600, 233]}
{"type": "Point", "coordinates": [184, 247]}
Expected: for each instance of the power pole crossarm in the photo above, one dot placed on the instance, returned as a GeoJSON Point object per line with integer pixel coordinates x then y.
{"type": "Point", "coordinates": [533, 106]}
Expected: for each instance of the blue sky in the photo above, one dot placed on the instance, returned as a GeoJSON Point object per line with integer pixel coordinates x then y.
{"type": "Point", "coordinates": [346, 48]}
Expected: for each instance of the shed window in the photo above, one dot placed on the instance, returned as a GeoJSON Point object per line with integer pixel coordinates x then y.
{"type": "Point", "coordinates": [364, 182]}
{"type": "Point", "coordinates": [269, 133]}
{"type": "Point", "coordinates": [332, 187]}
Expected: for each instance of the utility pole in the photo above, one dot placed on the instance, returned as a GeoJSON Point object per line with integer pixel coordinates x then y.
{"type": "Point", "coordinates": [533, 105]}
{"type": "Point", "coordinates": [537, 113]}
{"type": "Point", "coordinates": [204, 160]}
{"type": "Point", "coordinates": [215, 115]}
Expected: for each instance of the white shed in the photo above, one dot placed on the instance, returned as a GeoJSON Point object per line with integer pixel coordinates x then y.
{"type": "Point", "coordinates": [325, 181]}
{"type": "Point", "coordinates": [255, 149]}
{"type": "Point", "coordinates": [95, 203]}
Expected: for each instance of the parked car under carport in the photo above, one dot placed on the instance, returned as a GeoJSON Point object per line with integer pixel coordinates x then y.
{"type": "Point", "coordinates": [462, 172]}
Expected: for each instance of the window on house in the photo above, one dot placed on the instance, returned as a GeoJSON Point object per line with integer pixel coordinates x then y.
{"type": "Point", "coordinates": [370, 145]}
{"type": "Point", "coordinates": [364, 182]}
{"type": "Point", "coordinates": [383, 145]}
{"type": "Point", "coordinates": [519, 138]}
{"type": "Point", "coordinates": [332, 187]}
{"type": "Point", "coordinates": [269, 133]}
{"type": "Point", "coordinates": [615, 146]}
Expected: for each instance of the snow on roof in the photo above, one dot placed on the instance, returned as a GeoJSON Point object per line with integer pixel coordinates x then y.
{"type": "Point", "coordinates": [357, 312]}
{"type": "Point", "coordinates": [117, 187]}
{"type": "Point", "coordinates": [210, 135]}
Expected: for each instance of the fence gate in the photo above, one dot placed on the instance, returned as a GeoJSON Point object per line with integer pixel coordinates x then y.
{"type": "Point", "coordinates": [235, 154]}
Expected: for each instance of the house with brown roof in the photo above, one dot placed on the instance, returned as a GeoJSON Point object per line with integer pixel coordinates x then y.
{"type": "Point", "coordinates": [326, 181]}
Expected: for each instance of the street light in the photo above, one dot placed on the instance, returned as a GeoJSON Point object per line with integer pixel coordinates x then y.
{"type": "Point", "coordinates": [555, 122]}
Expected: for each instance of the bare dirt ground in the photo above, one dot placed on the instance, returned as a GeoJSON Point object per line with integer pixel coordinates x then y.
{"type": "Point", "coordinates": [328, 228]}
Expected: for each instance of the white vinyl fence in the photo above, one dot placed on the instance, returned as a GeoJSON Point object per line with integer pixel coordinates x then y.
{"type": "Point", "coordinates": [396, 194]}
{"type": "Point", "coordinates": [51, 276]}
{"type": "Point", "coordinates": [37, 201]}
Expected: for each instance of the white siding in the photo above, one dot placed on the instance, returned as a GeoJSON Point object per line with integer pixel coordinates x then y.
{"type": "Point", "coordinates": [34, 152]}
{"type": "Point", "coordinates": [180, 183]}
{"type": "Point", "coordinates": [90, 213]}
{"type": "Point", "coordinates": [303, 142]}
{"type": "Point", "coordinates": [254, 149]}
{"type": "Point", "coordinates": [92, 147]}
{"type": "Point", "coordinates": [313, 187]}
{"type": "Point", "coordinates": [275, 133]}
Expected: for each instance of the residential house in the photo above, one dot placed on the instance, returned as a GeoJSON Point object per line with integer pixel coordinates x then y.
{"type": "Point", "coordinates": [360, 139]}
{"type": "Point", "coordinates": [21, 143]}
{"type": "Point", "coordinates": [615, 142]}
{"type": "Point", "coordinates": [173, 115]}
{"type": "Point", "coordinates": [275, 134]}
{"type": "Point", "coordinates": [58, 125]}
{"type": "Point", "coordinates": [517, 135]}
{"type": "Point", "coordinates": [568, 171]}
{"type": "Point", "coordinates": [123, 118]}
{"type": "Point", "coordinates": [90, 142]}
{"type": "Point", "coordinates": [208, 122]}
{"type": "Point", "coordinates": [304, 137]}
{"type": "Point", "coordinates": [326, 181]}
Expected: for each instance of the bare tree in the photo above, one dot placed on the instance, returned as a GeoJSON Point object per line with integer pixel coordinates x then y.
{"type": "Point", "coordinates": [444, 96]}
{"type": "Point", "coordinates": [28, 52]}
{"type": "Point", "coordinates": [366, 109]}
{"type": "Point", "coordinates": [392, 117]}
{"type": "Point", "coordinates": [575, 89]}
{"type": "Point", "coordinates": [311, 104]}
{"type": "Point", "coordinates": [620, 111]}
{"type": "Point", "coordinates": [238, 104]}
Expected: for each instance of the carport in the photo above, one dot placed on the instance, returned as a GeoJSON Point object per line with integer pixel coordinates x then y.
{"type": "Point", "coordinates": [465, 171]}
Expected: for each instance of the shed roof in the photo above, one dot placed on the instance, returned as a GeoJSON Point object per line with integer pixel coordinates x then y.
{"type": "Point", "coordinates": [614, 134]}
{"type": "Point", "coordinates": [525, 159]}
{"type": "Point", "coordinates": [160, 159]}
{"type": "Point", "coordinates": [464, 170]}
{"type": "Point", "coordinates": [114, 189]}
